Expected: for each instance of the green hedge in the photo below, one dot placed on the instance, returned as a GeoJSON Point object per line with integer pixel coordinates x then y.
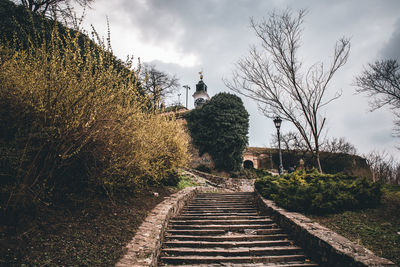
{"type": "Point", "coordinates": [312, 192]}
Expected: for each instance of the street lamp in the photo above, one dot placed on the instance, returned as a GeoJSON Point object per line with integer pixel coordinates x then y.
{"type": "Point", "coordinates": [187, 87]}
{"type": "Point", "coordinates": [277, 122]}
{"type": "Point", "coordinates": [179, 99]}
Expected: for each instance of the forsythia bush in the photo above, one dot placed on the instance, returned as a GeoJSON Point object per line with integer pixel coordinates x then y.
{"type": "Point", "coordinates": [72, 120]}
{"type": "Point", "coordinates": [312, 192]}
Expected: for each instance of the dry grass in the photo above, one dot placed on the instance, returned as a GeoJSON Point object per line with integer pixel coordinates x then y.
{"type": "Point", "coordinates": [377, 229]}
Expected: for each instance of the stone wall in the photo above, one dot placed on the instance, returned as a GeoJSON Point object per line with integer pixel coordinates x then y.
{"type": "Point", "coordinates": [145, 247]}
{"type": "Point", "coordinates": [320, 243]}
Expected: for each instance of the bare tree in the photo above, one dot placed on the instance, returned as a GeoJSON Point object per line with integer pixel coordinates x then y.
{"type": "Point", "coordinates": [292, 141]}
{"type": "Point", "coordinates": [383, 166]}
{"type": "Point", "coordinates": [157, 84]}
{"type": "Point", "coordinates": [339, 145]}
{"type": "Point", "coordinates": [273, 76]}
{"type": "Point", "coordinates": [381, 82]}
{"type": "Point", "coordinates": [52, 8]}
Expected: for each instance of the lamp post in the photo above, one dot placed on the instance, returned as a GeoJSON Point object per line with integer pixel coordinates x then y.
{"type": "Point", "coordinates": [277, 122]}
{"type": "Point", "coordinates": [187, 87]}
{"type": "Point", "coordinates": [179, 98]}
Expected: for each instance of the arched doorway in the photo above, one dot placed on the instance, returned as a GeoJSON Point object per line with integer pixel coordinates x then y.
{"type": "Point", "coordinates": [248, 164]}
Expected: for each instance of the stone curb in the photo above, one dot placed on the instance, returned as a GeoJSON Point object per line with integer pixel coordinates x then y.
{"type": "Point", "coordinates": [144, 248]}
{"type": "Point", "coordinates": [320, 243]}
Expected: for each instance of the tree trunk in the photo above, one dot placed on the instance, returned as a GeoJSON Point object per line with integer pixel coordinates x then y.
{"type": "Point", "coordinates": [318, 161]}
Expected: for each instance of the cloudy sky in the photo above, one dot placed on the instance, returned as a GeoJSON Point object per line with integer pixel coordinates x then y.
{"type": "Point", "coordinates": [182, 37]}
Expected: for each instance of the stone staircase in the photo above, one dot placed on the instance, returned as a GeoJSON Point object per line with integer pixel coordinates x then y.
{"type": "Point", "coordinates": [226, 229]}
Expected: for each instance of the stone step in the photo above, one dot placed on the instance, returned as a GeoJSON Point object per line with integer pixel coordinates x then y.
{"type": "Point", "coordinates": [228, 208]}
{"type": "Point", "coordinates": [227, 227]}
{"type": "Point", "coordinates": [248, 251]}
{"type": "Point", "coordinates": [208, 202]}
{"type": "Point", "coordinates": [287, 264]}
{"type": "Point", "coordinates": [225, 221]}
{"type": "Point", "coordinates": [237, 259]}
{"type": "Point", "coordinates": [233, 238]}
{"type": "Point", "coordinates": [221, 217]}
{"type": "Point", "coordinates": [222, 232]}
{"type": "Point", "coordinates": [196, 232]}
{"type": "Point", "coordinates": [228, 244]}
{"type": "Point", "coordinates": [235, 194]}
{"type": "Point", "coordinates": [236, 205]}
{"type": "Point", "coordinates": [223, 199]}
{"type": "Point", "coordinates": [220, 210]}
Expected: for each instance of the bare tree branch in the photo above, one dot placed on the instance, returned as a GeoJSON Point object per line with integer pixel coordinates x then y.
{"type": "Point", "coordinates": [157, 84]}
{"type": "Point", "coordinates": [381, 82]}
{"type": "Point", "coordinates": [54, 8]}
{"type": "Point", "coordinates": [272, 76]}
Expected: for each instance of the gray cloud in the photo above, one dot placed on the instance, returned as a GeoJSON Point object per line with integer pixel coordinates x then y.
{"type": "Point", "coordinates": [392, 49]}
{"type": "Point", "coordinates": [217, 32]}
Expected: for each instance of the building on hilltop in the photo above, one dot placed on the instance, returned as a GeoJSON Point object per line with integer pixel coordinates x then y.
{"type": "Point", "coordinates": [200, 96]}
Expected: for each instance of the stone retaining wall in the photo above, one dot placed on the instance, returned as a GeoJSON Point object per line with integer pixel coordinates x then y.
{"type": "Point", "coordinates": [145, 247]}
{"type": "Point", "coordinates": [229, 184]}
{"type": "Point", "coordinates": [320, 243]}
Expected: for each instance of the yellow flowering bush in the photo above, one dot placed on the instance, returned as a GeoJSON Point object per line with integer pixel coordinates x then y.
{"type": "Point", "coordinates": [72, 119]}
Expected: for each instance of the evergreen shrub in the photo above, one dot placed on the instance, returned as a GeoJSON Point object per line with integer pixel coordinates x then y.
{"type": "Point", "coordinates": [313, 192]}
{"type": "Point", "coordinates": [220, 128]}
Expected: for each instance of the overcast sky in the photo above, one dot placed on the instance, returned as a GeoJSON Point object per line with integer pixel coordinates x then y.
{"type": "Point", "coordinates": [182, 37]}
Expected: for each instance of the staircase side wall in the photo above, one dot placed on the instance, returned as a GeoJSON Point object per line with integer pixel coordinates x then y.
{"type": "Point", "coordinates": [144, 248]}
{"type": "Point", "coordinates": [320, 243]}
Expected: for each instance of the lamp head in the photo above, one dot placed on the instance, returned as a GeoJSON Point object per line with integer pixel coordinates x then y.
{"type": "Point", "coordinates": [277, 122]}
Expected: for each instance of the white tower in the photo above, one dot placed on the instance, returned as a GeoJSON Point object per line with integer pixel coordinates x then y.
{"type": "Point", "coordinates": [200, 96]}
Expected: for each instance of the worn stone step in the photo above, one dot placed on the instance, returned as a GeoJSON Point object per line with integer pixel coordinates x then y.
{"type": "Point", "coordinates": [236, 205]}
{"type": "Point", "coordinates": [220, 210]}
{"type": "Point", "coordinates": [221, 232]}
{"type": "Point", "coordinates": [238, 259]}
{"type": "Point", "coordinates": [248, 251]}
{"type": "Point", "coordinates": [196, 232]}
{"type": "Point", "coordinates": [225, 221]}
{"type": "Point", "coordinates": [288, 264]}
{"type": "Point", "coordinates": [228, 244]}
{"type": "Point", "coordinates": [227, 227]}
{"type": "Point", "coordinates": [217, 207]}
{"type": "Point", "coordinates": [233, 238]}
{"type": "Point", "coordinates": [227, 194]}
{"type": "Point", "coordinates": [223, 200]}
{"type": "Point", "coordinates": [220, 214]}
{"type": "Point", "coordinates": [221, 217]}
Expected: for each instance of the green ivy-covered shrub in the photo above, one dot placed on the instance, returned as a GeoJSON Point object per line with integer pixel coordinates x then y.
{"type": "Point", "coordinates": [220, 128]}
{"type": "Point", "coordinates": [312, 192]}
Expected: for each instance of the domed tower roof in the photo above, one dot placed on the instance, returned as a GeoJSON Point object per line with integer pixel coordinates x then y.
{"type": "Point", "coordinates": [201, 86]}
